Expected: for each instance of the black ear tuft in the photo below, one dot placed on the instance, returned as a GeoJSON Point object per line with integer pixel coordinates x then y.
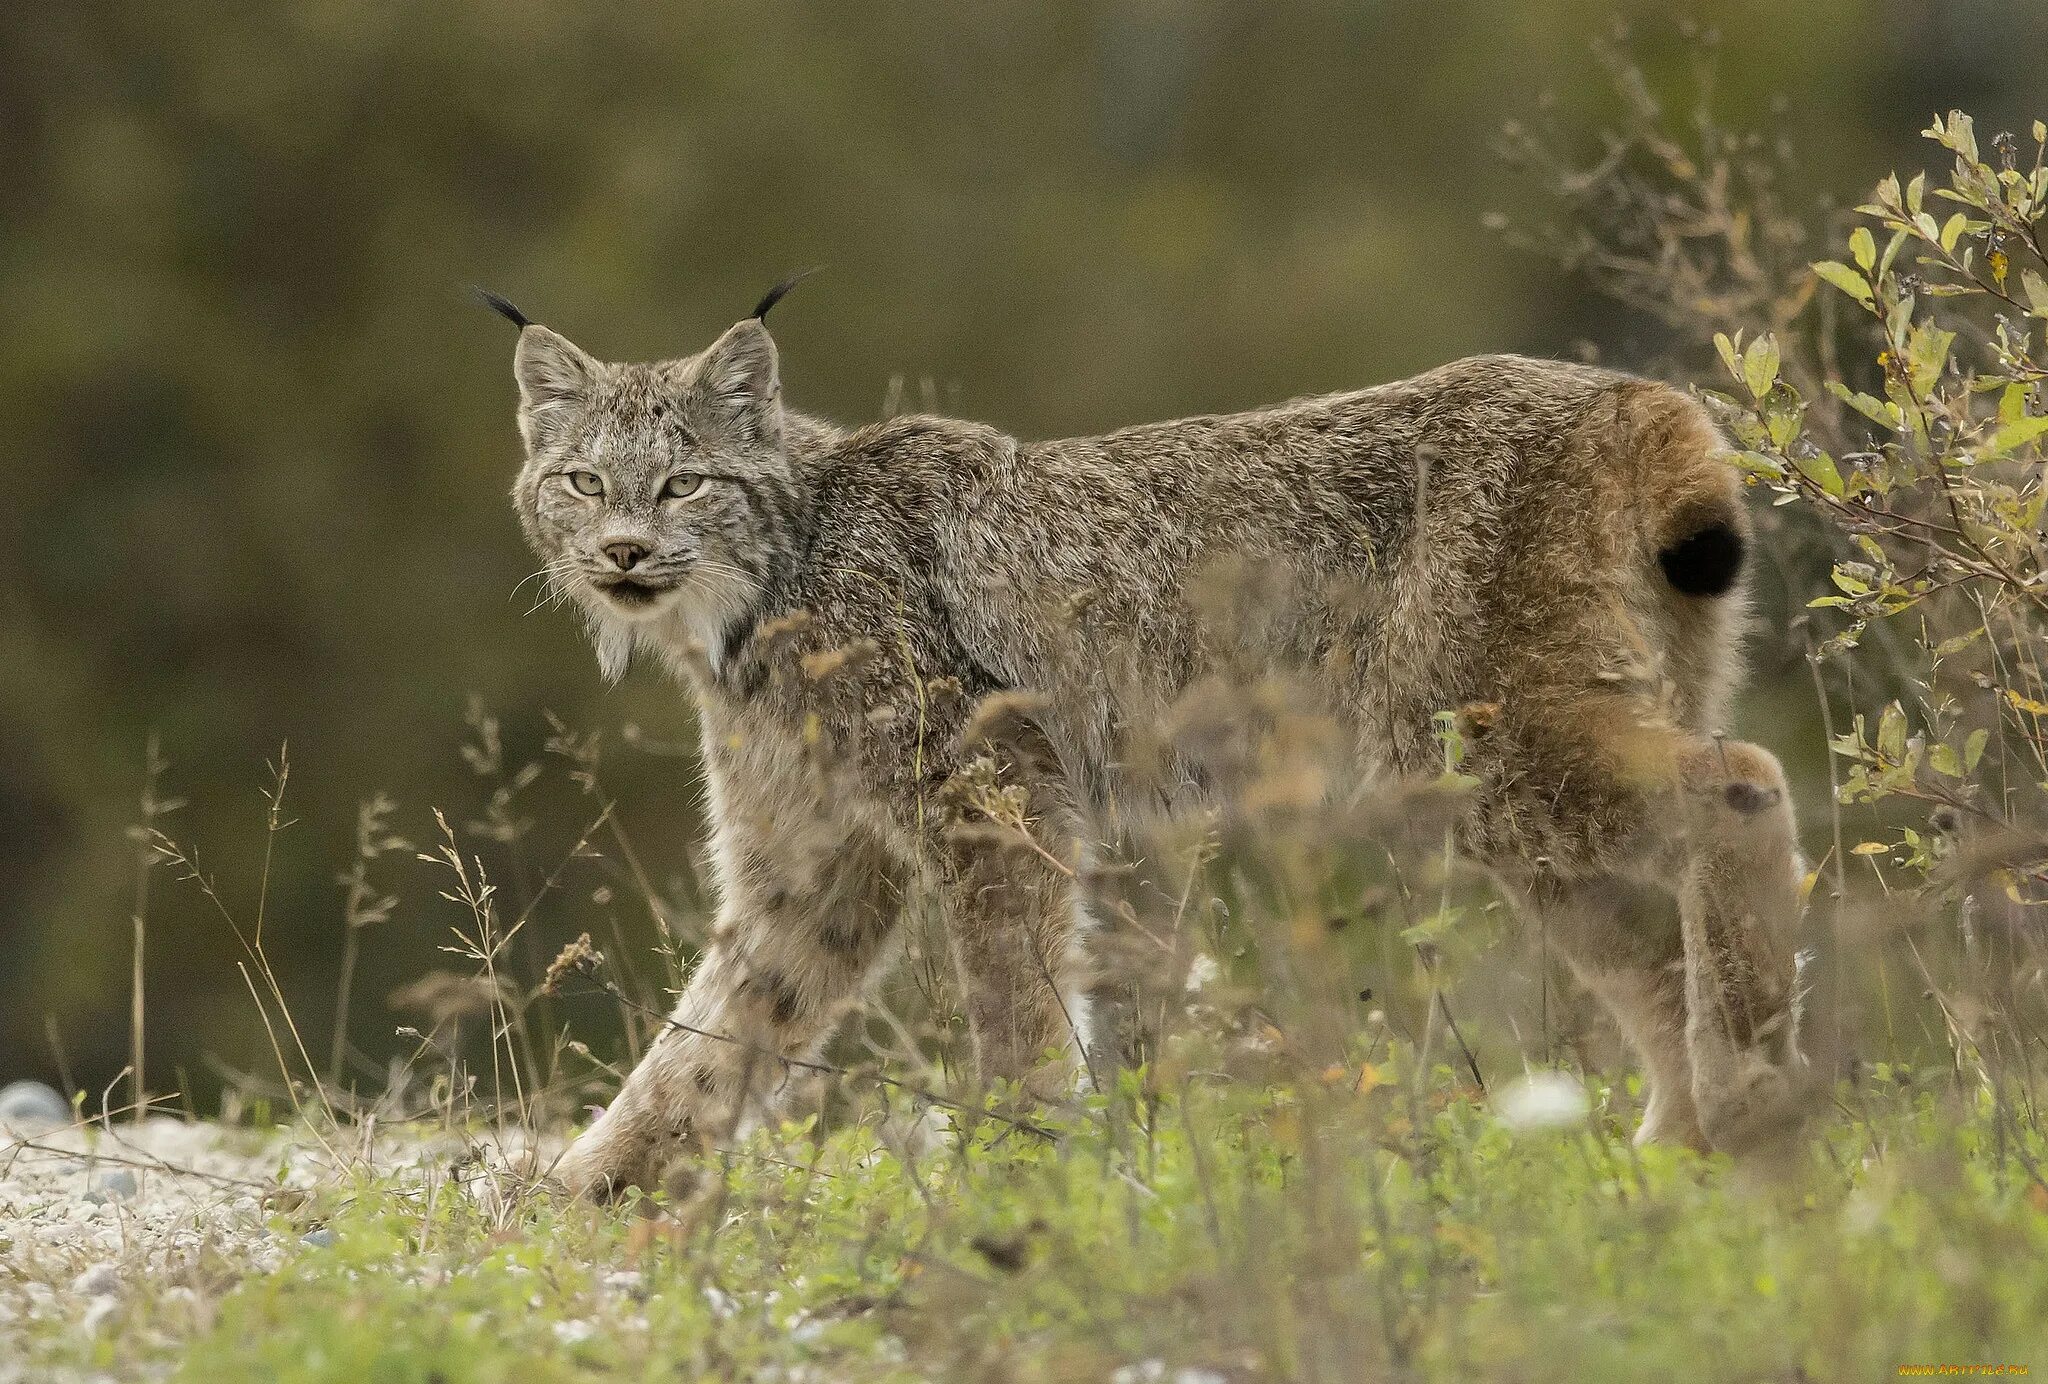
{"type": "Point", "coordinates": [775, 294]}
{"type": "Point", "coordinates": [503, 308]}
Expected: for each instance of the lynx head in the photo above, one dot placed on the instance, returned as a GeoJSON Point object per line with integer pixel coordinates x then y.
{"type": "Point", "coordinates": [660, 496]}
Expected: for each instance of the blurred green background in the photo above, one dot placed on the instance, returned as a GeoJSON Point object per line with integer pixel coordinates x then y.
{"type": "Point", "coordinates": [258, 444]}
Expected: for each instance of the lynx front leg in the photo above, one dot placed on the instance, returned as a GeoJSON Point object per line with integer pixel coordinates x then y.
{"type": "Point", "coordinates": [792, 948]}
{"type": "Point", "coordinates": [1738, 900]}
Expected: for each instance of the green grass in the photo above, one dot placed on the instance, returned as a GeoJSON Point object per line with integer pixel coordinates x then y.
{"type": "Point", "coordinates": [1319, 1233]}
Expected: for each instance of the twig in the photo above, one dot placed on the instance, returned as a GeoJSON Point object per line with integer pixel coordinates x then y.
{"type": "Point", "coordinates": [149, 1162]}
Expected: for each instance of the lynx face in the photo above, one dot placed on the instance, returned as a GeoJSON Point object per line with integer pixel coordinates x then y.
{"type": "Point", "coordinates": [658, 495]}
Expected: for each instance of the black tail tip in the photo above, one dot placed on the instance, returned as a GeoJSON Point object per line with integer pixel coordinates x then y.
{"type": "Point", "coordinates": [1705, 562]}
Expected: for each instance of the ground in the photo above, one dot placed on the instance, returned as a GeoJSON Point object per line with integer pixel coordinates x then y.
{"type": "Point", "coordinates": [1363, 1225]}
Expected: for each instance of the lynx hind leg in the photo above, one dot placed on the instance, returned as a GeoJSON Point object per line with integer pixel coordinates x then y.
{"type": "Point", "coordinates": [1633, 963]}
{"type": "Point", "coordinates": [1737, 881]}
{"type": "Point", "coordinates": [1015, 934]}
{"type": "Point", "coordinates": [1012, 905]}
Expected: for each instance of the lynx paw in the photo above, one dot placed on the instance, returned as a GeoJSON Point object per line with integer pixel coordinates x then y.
{"type": "Point", "coordinates": [602, 1169]}
{"type": "Point", "coordinates": [1671, 1120]}
{"type": "Point", "coordinates": [1760, 1110]}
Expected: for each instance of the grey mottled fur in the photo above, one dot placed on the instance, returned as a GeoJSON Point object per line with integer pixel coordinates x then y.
{"type": "Point", "coordinates": [889, 629]}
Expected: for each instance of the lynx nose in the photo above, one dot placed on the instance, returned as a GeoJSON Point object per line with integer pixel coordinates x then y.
{"type": "Point", "coordinates": [625, 554]}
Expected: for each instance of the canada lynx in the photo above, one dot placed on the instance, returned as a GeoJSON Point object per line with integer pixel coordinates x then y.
{"type": "Point", "coordinates": [865, 615]}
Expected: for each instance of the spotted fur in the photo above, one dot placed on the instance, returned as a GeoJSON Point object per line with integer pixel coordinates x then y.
{"type": "Point", "coordinates": [884, 626]}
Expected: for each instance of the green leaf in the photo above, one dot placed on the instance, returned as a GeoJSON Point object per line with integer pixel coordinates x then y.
{"type": "Point", "coordinates": [1943, 760]}
{"type": "Point", "coordinates": [1927, 352]}
{"type": "Point", "coordinates": [1891, 252]}
{"type": "Point", "coordinates": [2014, 435]}
{"type": "Point", "coordinates": [1948, 647]}
{"type": "Point", "coordinates": [1846, 279]}
{"type": "Point", "coordinates": [1822, 471]}
{"type": "Point", "coordinates": [2036, 289]}
{"type": "Point", "coordinates": [1760, 365]}
{"type": "Point", "coordinates": [1885, 415]}
{"type": "Point", "coordinates": [1863, 247]}
{"type": "Point", "coordinates": [1973, 748]}
{"type": "Point", "coordinates": [1891, 733]}
{"type": "Point", "coordinates": [1962, 130]}
{"type": "Point", "coordinates": [1728, 350]}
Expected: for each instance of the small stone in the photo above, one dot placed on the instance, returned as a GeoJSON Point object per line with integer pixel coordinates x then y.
{"type": "Point", "coordinates": [1543, 1100]}
{"type": "Point", "coordinates": [101, 1280]}
{"type": "Point", "coordinates": [628, 1281]}
{"type": "Point", "coordinates": [110, 1184]}
{"type": "Point", "coordinates": [322, 1238]}
{"type": "Point", "coordinates": [31, 1105]}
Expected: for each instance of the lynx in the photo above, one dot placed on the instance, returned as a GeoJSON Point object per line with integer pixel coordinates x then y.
{"type": "Point", "coordinates": [865, 616]}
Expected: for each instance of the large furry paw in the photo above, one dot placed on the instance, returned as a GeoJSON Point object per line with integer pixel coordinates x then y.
{"type": "Point", "coordinates": [1760, 1111]}
{"type": "Point", "coordinates": [1671, 1119]}
{"type": "Point", "coordinates": [601, 1167]}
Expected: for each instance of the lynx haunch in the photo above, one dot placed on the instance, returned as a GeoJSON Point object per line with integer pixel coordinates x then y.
{"type": "Point", "coordinates": [866, 615]}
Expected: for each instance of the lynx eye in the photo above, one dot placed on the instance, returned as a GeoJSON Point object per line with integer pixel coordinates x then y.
{"type": "Point", "coordinates": [586, 482]}
{"type": "Point", "coordinates": [682, 486]}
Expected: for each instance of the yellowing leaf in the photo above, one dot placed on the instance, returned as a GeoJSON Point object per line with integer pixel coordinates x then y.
{"type": "Point", "coordinates": [2026, 704]}
{"type": "Point", "coordinates": [1869, 848]}
{"type": "Point", "coordinates": [2010, 884]}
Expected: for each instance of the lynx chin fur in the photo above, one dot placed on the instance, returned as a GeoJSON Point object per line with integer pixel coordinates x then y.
{"type": "Point", "coordinates": [868, 616]}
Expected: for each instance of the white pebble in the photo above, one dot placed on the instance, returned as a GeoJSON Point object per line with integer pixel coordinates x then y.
{"type": "Point", "coordinates": [30, 1105]}
{"type": "Point", "coordinates": [97, 1315]}
{"type": "Point", "coordinates": [101, 1280]}
{"type": "Point", "coordinates": [1542, 1100]}
{"type": "Point", "coordinates": [111, 1184]}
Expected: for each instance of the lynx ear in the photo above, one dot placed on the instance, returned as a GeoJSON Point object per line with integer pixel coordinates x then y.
{"type": "Point", "coordinates": [554, 382]}
{"type": "Point", "coordinates": [740, 375]}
